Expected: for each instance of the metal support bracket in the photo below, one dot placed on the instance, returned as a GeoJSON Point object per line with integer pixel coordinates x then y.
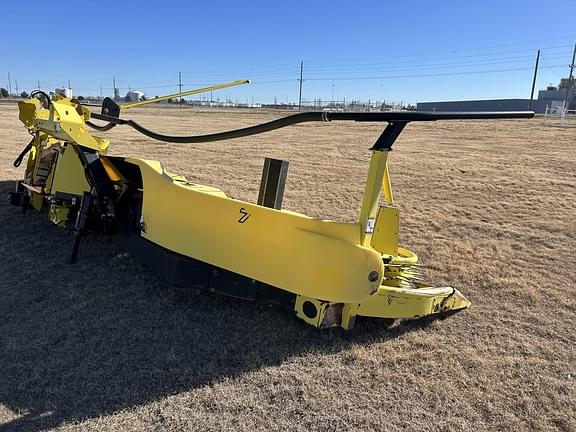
{"type": "Point", "coordinates": [273, 182]}
{"type": "Point", "coordinates": [81, 218]}
{"type": "Point", "coordinates": [388, 137]}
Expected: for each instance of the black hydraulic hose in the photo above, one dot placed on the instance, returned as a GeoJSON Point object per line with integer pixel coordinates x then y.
{"type": "Point", "coordinates": [44, 94]}
{"type": "Point", "coordinates": [220, 136]}
{"type": "Point", "coordinates": [101, 128]}
{"type": "Point", "coordinates": [23, 153]}
{"type": "Point", "coordinates": [390, 117]}
{"type": "Point", "coordinates": [104, 128]}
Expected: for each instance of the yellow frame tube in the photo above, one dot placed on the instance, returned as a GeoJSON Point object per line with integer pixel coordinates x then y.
{"type": "Point", "coordinates": [378, 179]}
{"type": "Point", "coordinates": [186, 93]}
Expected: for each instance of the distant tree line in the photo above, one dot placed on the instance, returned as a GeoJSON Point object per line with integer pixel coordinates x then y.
{"type": "Point", "coordinates": [4, 93]}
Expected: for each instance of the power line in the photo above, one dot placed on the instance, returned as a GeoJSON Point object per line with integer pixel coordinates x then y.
{"type": "Point", "coordinates": [276, 72]}
{"type": "Point", "coordinates": [453, 52]}
{"type": "Point", "coordinates": [491, 56]}
{"type": "Point", "coordinates": [547, 66]}
{"type": "Point", "coordinates": [270, 75]}
{"type": "Point", "coordinates": [357, 68]}
{"type": "Point", "coordinates": [519, 59]}
{"type": "Point", "coordinates": [418, 75]}
{"type": "Point", "coordinates": [367, 73]}
{"type": "Point", "coordinates": [476, 61]}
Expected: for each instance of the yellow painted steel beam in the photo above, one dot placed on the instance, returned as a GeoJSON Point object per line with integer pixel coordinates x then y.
{"type": "Point", "coordinates": [62, 121]}
{"type": "Point", "coordinates": [387, 186]}
{"type": "Point", "coordinates": [256, 241]}
{"type": "Point", "coordinates": [376, 173]}
{"type": "Point", "coordinates": [129, 105]}
{"type": "Point", "coordinates": [397, 303]}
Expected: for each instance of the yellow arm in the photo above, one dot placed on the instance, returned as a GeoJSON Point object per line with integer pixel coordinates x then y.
{"type": "Point", "coordinates": [186, 93]}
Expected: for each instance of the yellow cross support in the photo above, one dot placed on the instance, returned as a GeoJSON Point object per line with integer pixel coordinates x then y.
{"type": "Point", "coordinates": [378, 180]}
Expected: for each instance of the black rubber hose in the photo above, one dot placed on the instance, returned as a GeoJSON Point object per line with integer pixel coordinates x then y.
{"type": "Point", "coordinates": [236, 133]}
{"type": "Point", "coordinates": [23, 153]}
{"type": "Point", "coordinates": [101, 128]}
{"type": "Point", "coordinates": [390, 117]}
{"type": "Point", "coordinates": [46, 96]}
{"type": "Point", "coordinates": [104, 128]}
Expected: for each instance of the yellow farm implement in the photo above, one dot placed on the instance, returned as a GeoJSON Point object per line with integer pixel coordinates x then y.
{"type": "Point", "coordinates": [326, 272]}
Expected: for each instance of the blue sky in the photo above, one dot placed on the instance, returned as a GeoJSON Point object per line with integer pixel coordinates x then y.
{"type": "Point", "coordinates": [380, 50]}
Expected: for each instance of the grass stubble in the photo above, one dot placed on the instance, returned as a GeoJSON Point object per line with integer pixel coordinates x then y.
{"type": "Point", "coordinates": [489, 206]}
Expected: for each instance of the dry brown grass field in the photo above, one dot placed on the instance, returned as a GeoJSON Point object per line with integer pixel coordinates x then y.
{"type": "Point", "coordinates": [489, 206]}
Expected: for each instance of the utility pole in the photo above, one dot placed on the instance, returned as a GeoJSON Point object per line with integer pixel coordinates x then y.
{"type": "Point", "coordinates": [69, 87]}
{"type": "Point", "coordinates": [9, 85]}
{"type": "Point", "coordinates": [115, 96]}
{"type": "Point", "coordinates": [332, 92]}
{"type": "Point", "coordinates": [572, 66]}
{"type": "Point", "coordinates": [534, 80]}
{"type": "Point", "coordinates": [180, 86]}
{"type": "Point", "coordinates": [100, 91]}
{"type": "Point", "coordinates": [301, 80]}
{"type": "Point", "coordinates": [38, 84]}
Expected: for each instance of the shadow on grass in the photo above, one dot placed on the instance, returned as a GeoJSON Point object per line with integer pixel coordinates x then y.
{"type": "Point", "coordinates": [105, 334]}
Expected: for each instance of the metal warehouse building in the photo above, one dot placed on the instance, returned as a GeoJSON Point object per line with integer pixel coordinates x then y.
{"type": "Point", "coordinates": [564, 94]}
{"type": "Point", "coordinates": [482, 105]}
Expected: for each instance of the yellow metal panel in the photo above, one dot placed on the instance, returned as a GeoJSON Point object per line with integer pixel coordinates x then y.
{"type": "Point", "coordinates": [391, 302]}
{"type": "Point", "coordinates": [310, 257]}
{"type": "Point", "coordinates": [385, 236]}
{"type": "Point", "coordinates": [69, 177]}
{"type": "Point", "coordinates": [64, 122]}
{"type": "Point", "coordinates": [349, 312]}
{"type": "Point", "coordinates": [27, 111]}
